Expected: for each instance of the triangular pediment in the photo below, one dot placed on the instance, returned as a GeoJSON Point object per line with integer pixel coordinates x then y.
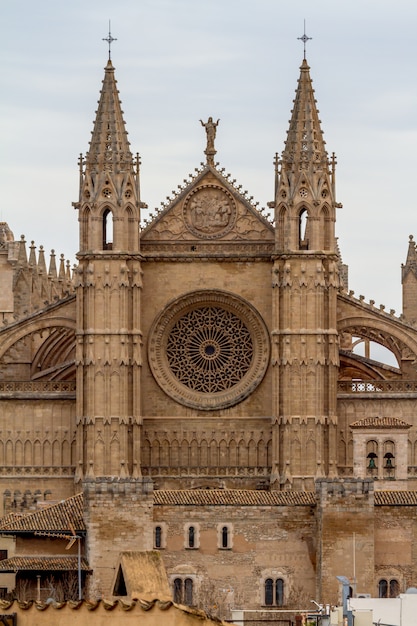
{"type": "Point", "coordinates": [208, 210]}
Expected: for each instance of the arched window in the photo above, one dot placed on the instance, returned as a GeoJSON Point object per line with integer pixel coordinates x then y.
{"type": "Point", "coordinates": [279, 592]}
{"type": "Point", "coordinates": [225, 537]}
{"type": "Point", "coordinates": [394, 588]}
{"type": "Point", "coordinates": [158, 537]}
{"type": "Point", "coordinates": [107, 230]}
{"type": "Point", "coordinates": [188, 591]}
{"type": "Point", "coordinates": [274, 592]}
{"type": "Point", "coordinates": [383, 589]}
{"type": "Point", "coordinates": [191, 537]}
{"type": "Point", "coordinates": [303, 230]}
{"type": "Point", "coordinates": [269, 592]}
{"type": "Point", "coordinates": [178, 590]}
{"type": "Point", "coordinates": [183, 591]}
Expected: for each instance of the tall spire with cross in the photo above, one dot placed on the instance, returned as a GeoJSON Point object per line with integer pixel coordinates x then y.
{"type": "Point", "coordinates": [109, 40]}
{"type": "Point", "coordinates": [304, 39]}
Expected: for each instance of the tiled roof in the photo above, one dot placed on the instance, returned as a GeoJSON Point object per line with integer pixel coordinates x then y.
{"type": "Point", "coordinates": [395, 498]}
{"type": "Point", "coordinates": [58, 517]}
{"type": "Point", "coordinates": [42, 564]}
{"type": "Point", "coordinates": [163, 611]}
{"type": "Point", "coordinates": [380, 422]}
{"type": "Point", "coordinates": [233, 497]}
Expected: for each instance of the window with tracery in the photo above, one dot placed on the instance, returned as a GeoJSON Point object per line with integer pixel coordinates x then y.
{"type": "Point", "coordinates": [209, 349]}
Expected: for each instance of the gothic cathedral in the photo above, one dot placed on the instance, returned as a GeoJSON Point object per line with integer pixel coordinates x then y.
{"type": "Point", "coordinates": [197, 379]}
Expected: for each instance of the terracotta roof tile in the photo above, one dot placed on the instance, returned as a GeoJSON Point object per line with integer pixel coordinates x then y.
{"type": "Point", "coordinates": [42, 564]}
{"type": "Point", "coordinates": [380, 422]}
{"type": "Point", "coordinates": [54, 518]}
{"type": "Point", "coordinates": [395, 498]}
{"type": "Point", "coordinates": [233, 497]}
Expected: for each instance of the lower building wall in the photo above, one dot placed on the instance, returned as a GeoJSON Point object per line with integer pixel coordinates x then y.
{"type": "Point", "coordinates": [143, 612]}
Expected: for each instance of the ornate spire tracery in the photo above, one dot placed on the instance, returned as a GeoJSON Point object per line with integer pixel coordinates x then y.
{"type": "Point", "coordinates": [109, 145]}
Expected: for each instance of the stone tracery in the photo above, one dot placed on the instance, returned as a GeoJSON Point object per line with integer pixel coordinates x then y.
{"type": "Point", "coordinates": [209, 350]}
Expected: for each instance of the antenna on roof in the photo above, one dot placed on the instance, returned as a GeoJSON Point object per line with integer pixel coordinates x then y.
{"type": "Point", "coordinates": [109, 40]}
{"type": "Point", "coordinates": [304, 39]}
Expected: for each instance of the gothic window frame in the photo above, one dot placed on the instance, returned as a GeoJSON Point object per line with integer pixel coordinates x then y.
{"type": "Point", "coordinates": [107, 229]}
{"type": "Point", "coordinates": [205, 365]}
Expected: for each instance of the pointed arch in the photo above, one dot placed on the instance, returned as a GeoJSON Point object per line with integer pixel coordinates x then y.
{"type": "Point", "coordinates": [85, 227]}
{"type": "Point", "coordinates": [194, 453]}
{"type": "Point", "coordinates": [325, 225]}
{"type": "Point", "coordinates": [107, 229]}
{"type": "Point", "coordinates": [47, 453]}
{"type": "Point", "coordinates": [261, 454]}
{"type": "Point", "coordinates": [132, 229]}
{"type": "Point", "coordinates": [9, 453]}
{"type": "Point", "coordinates": [37, 453]}
{"type": "Point", "coordinates": [146, 453]}
{"type": "Point", "coordinates": [175, 453]}
{"type": "Point", "coordinates": [164, 460]}
{"type": "Point", "coordinates": [184, 458]}
{"type": "Point", "coordinates": [282, 234]}
{"type": "Point", "coordinates": [155, 453]}
{"type": "Point", "coordinates": [213, 454]}
{"type": "Point", "coordinates": [203, 453]}
{"type": "Point", "coordinates": [223, 454]}
{"type": "Point", "coordinates": [232, 453]}
{"type": "Point", "coordinates": [19, 452]}
{"type": "Point", "coordinates": [303, 229]}
{"type": "Point", "coordinates": [252, 457]}
{"type": "Point", "coordinates": [56, 453]}
{"type": "Point", "coordinates": [242, 453]}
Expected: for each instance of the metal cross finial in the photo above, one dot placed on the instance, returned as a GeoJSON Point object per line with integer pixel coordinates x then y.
{"type": "Point", "coordinates": [304, 39]}
{"type": "Point", "coordinates": [109, 40]}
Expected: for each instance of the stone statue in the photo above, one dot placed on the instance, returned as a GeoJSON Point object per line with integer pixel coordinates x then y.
{"type": "Point", "coordinates": [210, 127]}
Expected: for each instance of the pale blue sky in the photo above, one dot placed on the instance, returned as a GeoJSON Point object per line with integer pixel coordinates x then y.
{"type": "Point", "coordinates": [238, 60]}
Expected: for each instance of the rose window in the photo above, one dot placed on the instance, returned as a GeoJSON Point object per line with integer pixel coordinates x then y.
{"type": "Point", "coordinates": [209, 350]}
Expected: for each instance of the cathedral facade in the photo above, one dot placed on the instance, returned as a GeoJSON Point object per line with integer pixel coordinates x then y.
{"type": "Point", "coordinates": [196, 377]}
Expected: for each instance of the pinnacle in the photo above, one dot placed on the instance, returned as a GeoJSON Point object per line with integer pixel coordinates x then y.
{"type": "Point", "coordinates": [305, 145]}
{"type": "Point", "coordinates": [109, 147]}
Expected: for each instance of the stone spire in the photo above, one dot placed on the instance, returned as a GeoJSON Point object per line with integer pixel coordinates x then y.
{"type": "Point", "coordinates": [305, 182]}
{"type": "Point", "coordinates": [305, 146]}
{"type": "Point", "coordinates": [109, 146]}
{"type": "Point", "coordinates": [109, 179]}
{"type": "Point", "coordinates": [409, 282]}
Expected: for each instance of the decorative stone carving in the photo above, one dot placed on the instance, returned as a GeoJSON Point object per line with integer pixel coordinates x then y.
{"type": "Point", "coordinates": [209, 211]}
{"type": "Point", "coordinates": [209, 350]}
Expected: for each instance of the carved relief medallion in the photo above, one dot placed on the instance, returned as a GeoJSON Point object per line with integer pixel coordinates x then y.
{"type": "Point", "coordinates": [209, 350]}
{"type": "Point", "coordinates": [209, 211]}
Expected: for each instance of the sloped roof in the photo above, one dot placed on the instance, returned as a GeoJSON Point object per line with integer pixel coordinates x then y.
{"type": "Point", "coordinates": [233, 497]}
{"type": "Point", "coordinates": [143, 574]}
{"type": "Point", "coordinates": [380, 422]}
{"type": "Point", "coordinates": [97, 612]}
{"type": "Point", "coordinates": [61, 517]}
{"type": "Point", "coordinates": [395, 498]}
{"type": "Point", "coordinates": [43, 564]}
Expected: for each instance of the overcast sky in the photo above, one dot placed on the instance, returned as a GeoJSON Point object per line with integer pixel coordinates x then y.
{"type": "Point", "coordinates": [238, 60]}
